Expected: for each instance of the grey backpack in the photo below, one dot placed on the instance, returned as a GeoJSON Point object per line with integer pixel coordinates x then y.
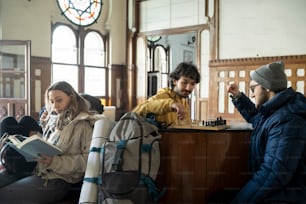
{"type": "Point", "coordinates": [130, 162]}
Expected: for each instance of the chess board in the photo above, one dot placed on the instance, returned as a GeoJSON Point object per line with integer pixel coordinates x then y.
{"type": "Point", "coordinates": [198, 127]}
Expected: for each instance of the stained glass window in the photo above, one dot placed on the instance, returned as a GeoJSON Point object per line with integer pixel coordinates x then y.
{"type": "Point", "coordinates": [81, 12]}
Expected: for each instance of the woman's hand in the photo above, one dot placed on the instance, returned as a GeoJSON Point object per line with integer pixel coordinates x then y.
{"type": "Point", "coordinates": [44, 116]}
{"type": "Point", "coordinates": [44, 159]}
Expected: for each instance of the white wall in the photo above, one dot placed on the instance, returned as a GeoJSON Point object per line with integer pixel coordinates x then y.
{"type": "Point", "coordinates": [117, 29]}
{"type": "Point", "coordinates": [26, 20]}
{"type": "Point", "coordinates": [262, 28]}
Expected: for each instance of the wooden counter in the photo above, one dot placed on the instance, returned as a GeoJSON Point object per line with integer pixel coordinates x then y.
{"type": "Point", "coordinates": [196, 163]}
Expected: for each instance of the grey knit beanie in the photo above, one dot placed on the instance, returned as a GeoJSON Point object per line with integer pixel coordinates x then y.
{"type": "Point", "coordinates": [271, 76]}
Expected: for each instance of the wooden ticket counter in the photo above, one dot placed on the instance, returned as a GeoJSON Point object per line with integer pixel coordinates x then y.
{"type": "Point", "coordinates": [196, 163]}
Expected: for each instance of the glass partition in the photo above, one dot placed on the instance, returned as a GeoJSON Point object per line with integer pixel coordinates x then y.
{"type": "Point", "coordinates": [14, 78]}
{"type": "Point", "coordinates": [14, 66]}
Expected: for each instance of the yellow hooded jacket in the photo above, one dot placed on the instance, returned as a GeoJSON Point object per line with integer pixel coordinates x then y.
{"type": "Point", "coordinates": [160, 105]}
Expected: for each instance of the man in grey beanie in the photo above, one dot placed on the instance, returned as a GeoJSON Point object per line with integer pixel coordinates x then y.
{"type": "Point", "coordinates": [271, 76]}
{"type": "Point", "coordinates": [277, 156]}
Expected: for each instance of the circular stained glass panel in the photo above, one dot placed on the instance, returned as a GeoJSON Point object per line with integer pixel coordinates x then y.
{"type": "Point", "coordinates": [81, 12]}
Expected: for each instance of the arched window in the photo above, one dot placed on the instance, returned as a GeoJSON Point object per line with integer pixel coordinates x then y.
{"type": "Point", "coordinates": [79, 57]}
{"type": "Point", "coordinates": [64, 56]}
{"type": "Point", "coordinates": [95, 69]}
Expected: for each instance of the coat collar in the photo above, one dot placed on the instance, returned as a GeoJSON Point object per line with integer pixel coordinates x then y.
{"type": "Point", "coordinates": [277, 101]}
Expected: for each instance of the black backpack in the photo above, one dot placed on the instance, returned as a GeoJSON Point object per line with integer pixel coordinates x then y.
{"type": "Point", "coordinates": [13, 162]}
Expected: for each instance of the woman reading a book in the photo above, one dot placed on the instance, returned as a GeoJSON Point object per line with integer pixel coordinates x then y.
{"type": "Point", "coordinates": [68, 125]}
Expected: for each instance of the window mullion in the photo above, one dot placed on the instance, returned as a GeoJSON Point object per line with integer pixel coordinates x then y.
{"type": "Point", "coordinates": [81, 73]}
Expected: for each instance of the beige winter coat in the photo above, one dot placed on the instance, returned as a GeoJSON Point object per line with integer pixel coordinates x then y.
{"type": "Point", "coordinates": [74, 141]}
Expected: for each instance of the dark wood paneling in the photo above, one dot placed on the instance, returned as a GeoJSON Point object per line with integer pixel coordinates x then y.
{"type": "Point", "coordinates": [195, 164]}
{"type": "Point", "coordinates": [40, 74]}
{"type": "Point", "coordinates": [13, 107]}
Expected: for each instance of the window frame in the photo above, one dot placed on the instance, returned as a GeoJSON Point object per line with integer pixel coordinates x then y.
{"type": "Point", "coordinates": [80, 35]}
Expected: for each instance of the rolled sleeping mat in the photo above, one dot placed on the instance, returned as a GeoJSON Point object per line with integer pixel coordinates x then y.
{"type": "Point", "coordinates": [90, 188]}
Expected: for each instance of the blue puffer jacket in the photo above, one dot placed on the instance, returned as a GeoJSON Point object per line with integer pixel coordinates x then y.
{"type": "Point", "coordinates": [277, 150]}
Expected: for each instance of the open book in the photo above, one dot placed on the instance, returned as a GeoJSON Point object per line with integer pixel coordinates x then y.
{"type": "Point", "coordinates": [31, 147]}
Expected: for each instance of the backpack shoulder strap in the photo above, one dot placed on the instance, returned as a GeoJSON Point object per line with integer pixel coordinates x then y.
{"type": "Point", "coordinates": [118, 160]}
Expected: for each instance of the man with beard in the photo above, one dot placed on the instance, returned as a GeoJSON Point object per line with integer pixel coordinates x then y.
{"type": "Point", "coordinates": [170, 105]}
{"type": "Point", "coordinates": [278, 143]}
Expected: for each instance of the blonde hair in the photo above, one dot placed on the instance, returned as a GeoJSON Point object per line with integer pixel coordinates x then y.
{"type": "Point", "coordinates": [77, 103]}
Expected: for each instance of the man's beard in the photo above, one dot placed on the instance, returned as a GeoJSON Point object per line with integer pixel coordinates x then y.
{"type": "Point", "coordinates": [185, 94]}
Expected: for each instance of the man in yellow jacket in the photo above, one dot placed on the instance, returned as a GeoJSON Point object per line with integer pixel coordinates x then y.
{"type": "Point", "coordinates": [170, 105]}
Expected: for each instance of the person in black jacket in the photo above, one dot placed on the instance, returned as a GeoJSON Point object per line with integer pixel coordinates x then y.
{"type": "Point", "coordinates": [95, 104]}
{"type": "Point", "coordinates": [12, 164]}
{"type": "Point", "coordinates": [278, 143]}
